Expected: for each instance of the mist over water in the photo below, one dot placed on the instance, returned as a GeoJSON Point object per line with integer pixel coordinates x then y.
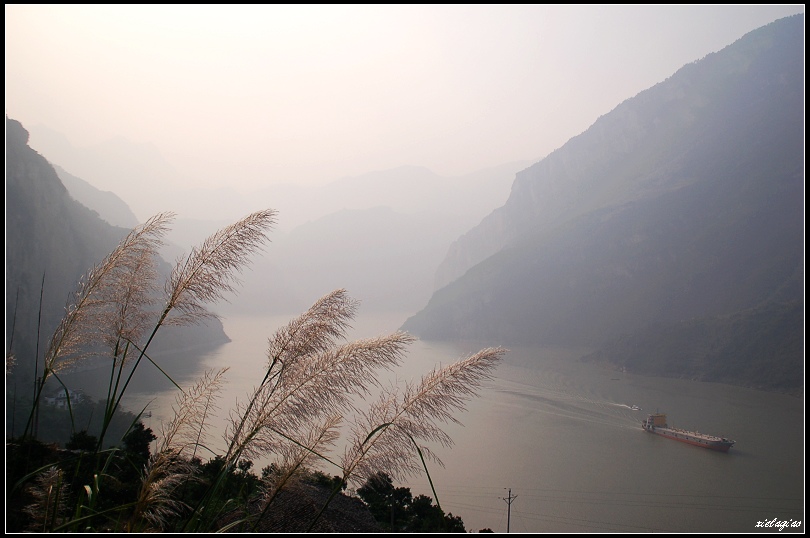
{"type": "Point", "coordinates": [564, 437]}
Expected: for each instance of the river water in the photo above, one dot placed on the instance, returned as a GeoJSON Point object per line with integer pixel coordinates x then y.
{"type": "Point", "coordinates": [563, 437]}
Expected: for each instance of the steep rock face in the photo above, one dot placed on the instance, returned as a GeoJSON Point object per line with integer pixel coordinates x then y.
{"type": "Point", "coordinates": [48, 236]}
{"type": "Point", "coordinates": [632, 152]}
{"type": "Point", "coordinates": [686, 202]}
{"type": "Point", "coordinates": [51, 241]}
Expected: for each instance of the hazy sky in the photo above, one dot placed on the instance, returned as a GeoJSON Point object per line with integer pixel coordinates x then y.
{"type": "Point", "coordinates": [243, 95]}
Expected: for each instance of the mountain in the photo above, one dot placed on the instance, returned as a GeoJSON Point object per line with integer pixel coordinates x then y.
{"type": "Point", "coordinates": [685, 202]}
{"type": "Point", "coordinates": [134, 171]}
{"type": "Point", "coordinates": [762, 348]}
{"type": "Point", "coordinates": [383, 257]}
{"type": "Point", "coordinates": [395, 226]}
{"type": "Point", "coordinates": [51, 241]}
{"type": "Point", "coordinates": [379, 235]}
{"type": "Point", "coordinates": [406, 189]}
{"type": "Point", "coordinates": [142, 176]}
{"type": "Point", "coordinates": [48, 235]}
{"type": "Point", "coordinates": [106, 204]}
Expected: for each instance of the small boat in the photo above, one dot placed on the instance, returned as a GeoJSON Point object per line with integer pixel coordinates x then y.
{"type": "Point", "coordinates": [635, 408]}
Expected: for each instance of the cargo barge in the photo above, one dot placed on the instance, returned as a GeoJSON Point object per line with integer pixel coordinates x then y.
{"type": "Point", "coordinates": [657, 423]}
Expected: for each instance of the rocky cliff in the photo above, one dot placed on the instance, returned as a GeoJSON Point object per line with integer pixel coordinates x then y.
{"type": "Point", "coordinates": [638, 149]}
{"type": "Point", "coordinates": [51, 241]}
{"type": "Point", "coordinates": [686, 202]}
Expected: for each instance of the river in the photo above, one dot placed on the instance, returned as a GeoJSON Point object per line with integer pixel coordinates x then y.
{"type": "Point", "coordinates": [563, 437]}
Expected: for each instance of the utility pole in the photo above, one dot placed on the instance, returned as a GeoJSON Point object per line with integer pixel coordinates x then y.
{"type": "Point", "coordinates": [508, 501]}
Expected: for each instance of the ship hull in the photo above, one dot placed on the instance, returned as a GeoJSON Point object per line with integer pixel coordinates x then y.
{"type": "Point", "coordinates": [711, 445]}
{"type": "Point", "coordinates": [657, 424]}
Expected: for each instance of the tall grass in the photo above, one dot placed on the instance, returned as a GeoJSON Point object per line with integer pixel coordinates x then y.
{"type": "Point", "coordinates": [311, 378]}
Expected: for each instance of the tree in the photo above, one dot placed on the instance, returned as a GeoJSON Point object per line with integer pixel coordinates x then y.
{"type": "Point", "coordinates": [396, 509]}
{"type": "Point", "coordinates": [388, 504]}
{"type": "Point", "coordinates": [81, 440]}
{"type": "Point", "coordinates": [137, 441]}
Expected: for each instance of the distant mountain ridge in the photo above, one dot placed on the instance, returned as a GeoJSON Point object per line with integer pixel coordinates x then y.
{"type": "Point", "coordinates": [139, 174]}
{"type": "Point", "coordinates": [383, 257]}
{"type": "Point", "coordinates": [684, 202]}
{"type": "Point", "coordinates": [395, 226]}
{"type": "Point", "coordinates": [108, 205]}
{"type": "Point", "coordinates": [134, 171]}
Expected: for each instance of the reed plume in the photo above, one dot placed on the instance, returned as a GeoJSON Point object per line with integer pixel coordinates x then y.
{"type": "Point", "coordinates": [95, 317]}
{"type": "Point", "coordinates": [205, 275]}
{"type": "Point", "coordinates": [311, 380]}
{"type": "Point", "coordinates": [171, 465]}
{"type": "Point", "coordinates": [384, 437]}
{"type": "Point", "coordinates": [315, 330]}
{"type": "Point", "coordinates": [193, 411]}
{"type": "Point", "coordinates": [11, 361]}
{"type": "Point", "coordinates": [213, 268]}
{"type": "Point", "coordinates": [308, 377]}
{"type": "Point", "coordinates": [294, 457]}
{"type": "Point", "coordinates": [90, 318]}
{"type": "Point", "coordinates": [131, 304]}
{"type": "Point", "coordinates": [157, 503]}
{"type": "Point", "coordinates": [49, 491]}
